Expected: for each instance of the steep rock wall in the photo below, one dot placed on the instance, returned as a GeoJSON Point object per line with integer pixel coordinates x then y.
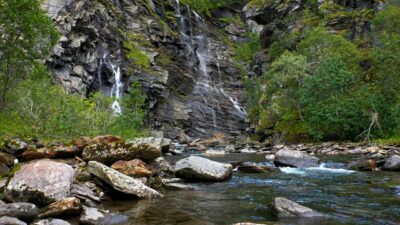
{"type": "Point", "coordinates": [189, 79]}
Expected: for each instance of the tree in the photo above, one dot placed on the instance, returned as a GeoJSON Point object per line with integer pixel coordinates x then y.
{"type": "Point", "coordinates": [27, 36]}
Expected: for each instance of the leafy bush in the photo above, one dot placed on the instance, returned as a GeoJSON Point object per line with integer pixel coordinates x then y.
{"type": "Point", "coordinates": [41, 109]}
{"type": "Point", "coordinates": [27, 36]}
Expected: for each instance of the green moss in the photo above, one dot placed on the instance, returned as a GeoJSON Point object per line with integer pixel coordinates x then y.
{"type": "Point", "coordinates": [163, 59]}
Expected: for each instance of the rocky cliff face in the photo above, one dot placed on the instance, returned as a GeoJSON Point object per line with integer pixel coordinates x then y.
{"type": "Point", "coordinates": [179, 58]}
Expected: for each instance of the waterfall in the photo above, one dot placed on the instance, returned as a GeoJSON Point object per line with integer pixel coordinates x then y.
{"type": "Point", "coordinates": [116, 90]}
{"type": "Point", "coordinates": [118, 86]}
{"type": "Point", "coordinates": [198, 55]}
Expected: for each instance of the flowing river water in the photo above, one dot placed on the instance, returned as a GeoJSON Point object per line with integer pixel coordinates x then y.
{"type": "Point", "coordinates": [346, 197]}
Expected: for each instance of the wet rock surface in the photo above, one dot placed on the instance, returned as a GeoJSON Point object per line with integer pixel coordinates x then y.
{"type": "Point", "coordinates": [196, 168]}
{"type": "Point", "coordinates": [283, 208]}
{"type": "Point", "coordinates": [41, 182]}
{"type": "Point", "coordinates": [93, 216]}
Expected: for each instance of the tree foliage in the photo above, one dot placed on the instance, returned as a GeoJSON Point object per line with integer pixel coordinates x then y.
{"type": "Point", "coordinates": [27, 36]}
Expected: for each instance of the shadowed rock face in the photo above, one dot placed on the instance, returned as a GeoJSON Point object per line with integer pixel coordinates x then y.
{"type": "Point", "coordinates": [197, 91]}
{"type": "Point", "coordinates": [41, 182]}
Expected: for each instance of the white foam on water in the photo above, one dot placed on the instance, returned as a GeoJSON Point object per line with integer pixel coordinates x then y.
{"type": "Point", "coordinates": [321, 169]}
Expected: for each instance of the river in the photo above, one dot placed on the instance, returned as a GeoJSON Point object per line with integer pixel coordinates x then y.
{"type": "Point", "coordinates": [346, 197]}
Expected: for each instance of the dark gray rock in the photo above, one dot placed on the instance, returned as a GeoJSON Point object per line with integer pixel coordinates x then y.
{"type": "Point", "coordinates": [22, 211]}
{"type": "Point", "coordinates": [5, 220]}
{"type": "Point", "coordinates": [362, 165]}
{"type": "Point", "coordinates": [196, 168]}
{"type": "Point", "coordinates": [286, 157]}
{"type": "Point", "coordinates": [40, 182]}
{"type": "Point", "coordinates": [392, 164]}
{"type": "Point", "coordinates": [93, 216]}
{"type": "Point", "coordinates": [283, 207]}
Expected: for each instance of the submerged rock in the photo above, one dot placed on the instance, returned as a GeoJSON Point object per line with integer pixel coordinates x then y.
{"type": "Point", "coordinates": [22, 211]}
{"type": "Point", "coordinates": [51, 222]}
{"type": "Point", "coordinates": [196, 168]}
{"type": "Point", "coordinates": [283, 207]}
{"type": "Point", "coordinates": [393, 163]}
{"type": "Point", "coordinates": [109, 153]}
{"type": "Point", "coordinates": [66, 207]}
{"type": "Point", "coordinates": [363, 165]}
{"type": "Point", "coordinates": [6, 220]}
{"type": "Point", "coordinates": [255, 168]}
{"type": "Point", "coordinates": [121, 182]}
{"type": "Point", "coordinates": [134, 168]}
{"type": "Point", "coordinates": [286, 157]}
{"type": "Point", "coordinates": [93, 216]}
{"type": "Point", "coordinates": [41, 182]}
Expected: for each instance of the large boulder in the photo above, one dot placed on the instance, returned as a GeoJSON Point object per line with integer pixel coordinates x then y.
{"type": "Point", "coordinates": [286, 157]}
{"type": "Point", "coordinates": [93, 216]}
{"type": "Point", "coordinates": [51, 153]}
{"type": "Point", "coordinates": [392, 164]}
{"type": "Point", "coordinates": [40, 182]}
{"type": "Point", "coordinates": [121, 182]}
{"type": "Point", "coordinates": [196, 168]}
{"type": "Point", "coordinates": [22, 211]}
{"type": "Point", "coordinates": [283, 207]}
{"type": "Point", "coordinates": [109, 153]}
{"type": "Point", "coordinates": [134, 168]}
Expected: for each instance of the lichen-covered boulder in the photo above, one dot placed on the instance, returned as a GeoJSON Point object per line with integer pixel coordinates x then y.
{"type": "Point", "coordinates": [134, 168]}
{"type": "Point", "coordinates": [40, 182]}
{"type": "Point", "coordinates": [283, 207]}
{"type": "Point", "coordinates": [196, 168]}
{"type": "Point", "coordinates": [286, 157]}
{"type": "Point", "coordinates": [67, 207]}
{"type": "Point", "coordinates": [121, 182]}
{"type": "Point", "coordinates": [109, 153]}
{"type": "Point", "coordinates": [51, 152]}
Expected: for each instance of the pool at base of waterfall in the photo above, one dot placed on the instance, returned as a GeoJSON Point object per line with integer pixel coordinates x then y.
{"type": "Point", "coordinates": [346, 197]}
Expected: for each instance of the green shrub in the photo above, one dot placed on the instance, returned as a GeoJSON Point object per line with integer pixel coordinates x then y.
{"type": "Point", "coordinates": [41, 109]}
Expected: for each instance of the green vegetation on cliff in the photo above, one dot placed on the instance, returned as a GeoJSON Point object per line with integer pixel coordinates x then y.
{"type": "Point", "coordinates": [30, 105]}
{"type": "Point", "coordinates": [329, 86]}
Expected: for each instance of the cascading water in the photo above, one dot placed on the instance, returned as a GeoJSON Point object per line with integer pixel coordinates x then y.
{"type": "Point", "coordinates": [199, 57]}
{"type": "Point", "coordinates": [116, 90]}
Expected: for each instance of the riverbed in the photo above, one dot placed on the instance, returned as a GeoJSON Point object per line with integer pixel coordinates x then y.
{"type": "Point", "coordinates": [346, 197]}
